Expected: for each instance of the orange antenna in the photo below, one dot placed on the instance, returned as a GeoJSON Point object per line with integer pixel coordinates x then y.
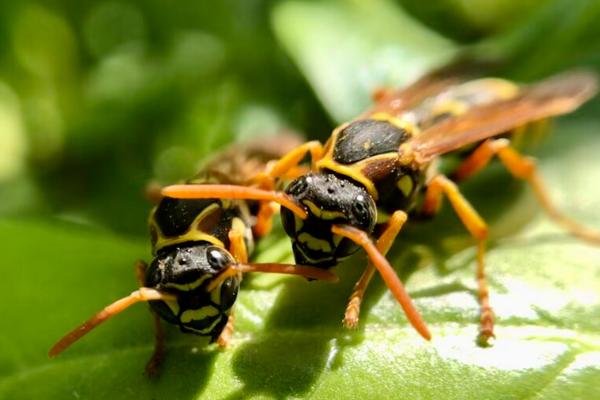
{"type": "Point", "coordinates": [290, 269]}
{"type": "Point", "coordinates": [143, 294]}
{"type": "Point", "coordinates": [276, 268]}
{"type": "Point", "coordinates": [201, 191]}
{"type": "Point", "coordinates": [387, 273]}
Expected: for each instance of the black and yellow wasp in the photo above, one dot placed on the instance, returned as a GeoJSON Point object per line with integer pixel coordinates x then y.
{"type": "Point", "coordinates": [376, 170]}
{"type": "Point", "coordinates": [201, 249]}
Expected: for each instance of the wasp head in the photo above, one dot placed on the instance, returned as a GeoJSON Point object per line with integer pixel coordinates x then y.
{"type": "Point", "coordinates": [328, 200]}
{"type": "Point", "coordinates": [187, 272]}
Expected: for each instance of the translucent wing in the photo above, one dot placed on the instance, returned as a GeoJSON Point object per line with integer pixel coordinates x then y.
{"type": "Point", "coordinates": [397, 101]}
{"type": "Point", "coordinates": [557, 95]}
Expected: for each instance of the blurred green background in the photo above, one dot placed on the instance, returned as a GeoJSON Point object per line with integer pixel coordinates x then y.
{"type": "Point", "coordinates": [98, 98]}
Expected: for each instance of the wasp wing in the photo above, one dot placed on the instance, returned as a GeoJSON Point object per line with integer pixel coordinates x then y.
{"type": "Point", "coordinates": [557, 95]}
{"type": "Point", "coordinates": [395, 102]}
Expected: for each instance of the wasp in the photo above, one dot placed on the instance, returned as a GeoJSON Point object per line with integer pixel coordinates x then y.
{"type": "Point", "coordinates": [201, 249]}
{"type": "Point", "coordinates": [378, 170]}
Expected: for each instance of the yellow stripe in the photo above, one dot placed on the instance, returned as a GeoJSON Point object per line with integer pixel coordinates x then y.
{"type": "Point", "coordinates": [349, 171]}
{"type": "Point", "coordinates": [322, 214]}
{"type": "Point", "coordinates": [199, 314]}
{"type": "Point", "coordinates": [314, 243]}
{"type": "Point", "coordinates": [191, 235]}
{"type": "Point", "coordinates": [403, 124]}
{"type": "Point", "coordinates": [187, 286]}
{"type": "Point", "coordinates": [315, 260]}
{"type": "Point", "coordinates": [173, 306]}
{"type": "Point", "coordinates": [405, 185]}
{"type": "Point", "coordinates": [205, 330]}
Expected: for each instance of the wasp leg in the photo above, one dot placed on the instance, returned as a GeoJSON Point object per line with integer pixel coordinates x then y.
{"type": "Point", "coordinates": [523, 168]}
{"type": "Point", "coordinates": [387, 273]}
{"type": "Point", "coordinates": [477, 227]}
{"type": "Point", "coordinates": [237, 245]}
{"type": "Point", "coordinates": [225, 337]}
{"type": "Point", "coordinates": [288, 163]}
{"type": "Point", "coordinates": [153, 364]}
{"type": "Point", "coordinates": [239, 251]}
{"type": "Point", "coordinates": [264, 219]}
{"type": "Point", "coordinates": [383, 244]}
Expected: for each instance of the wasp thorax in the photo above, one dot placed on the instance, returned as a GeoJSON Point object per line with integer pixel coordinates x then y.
{"type": "Point", "coordinates": [328, 200]}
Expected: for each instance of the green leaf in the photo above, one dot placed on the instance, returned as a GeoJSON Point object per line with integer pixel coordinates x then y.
{"type": "Point", "coordinates": [289, 341]}
{"type": "Point", "coordinates": [348, 49]}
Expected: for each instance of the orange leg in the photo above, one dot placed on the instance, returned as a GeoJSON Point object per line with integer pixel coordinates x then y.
{"type": "Point", "coordinates": [225, 337]}
{"type": "Point", "coordinates": [477, 227]}
{"type": "Point", "coordinates": [239, 251]}
{"type": "Point", "coordinates": [288, 163]}
{"type": "Point", "coordinates": [383, 244]}
{"type": "Point", "coordinates": [387, 273]}
{"type": "Point", "coordinates": [264, 219]}
{"type": "Point", "coordinates": [237, 246]}
{"type": "Point", "coordinates": [523, 168]}
{"type": "Point", "coordinates": [153, 365]}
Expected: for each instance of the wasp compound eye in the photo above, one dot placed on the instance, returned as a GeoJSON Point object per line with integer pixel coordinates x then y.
{"type": "Point", "coordinates": [217, 259]}
{"type": "Point", "coordinates": [360, 208]}
{"type": "Point", "coordinates": [299, 186]}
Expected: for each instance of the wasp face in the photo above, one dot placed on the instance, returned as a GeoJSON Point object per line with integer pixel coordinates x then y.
{"type": "Point", "coordinates": [187, 272]}
{"type": "Point", "coordinates": [328, 200]}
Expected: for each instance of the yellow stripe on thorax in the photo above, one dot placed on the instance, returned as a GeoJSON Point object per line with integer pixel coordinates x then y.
{"type": "Point", "coordinates": [191, 235]}
{"type": "Point", "coordinates": [354, 171]}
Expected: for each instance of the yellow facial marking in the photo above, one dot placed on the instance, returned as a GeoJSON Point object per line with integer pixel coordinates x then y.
{"type": "Point", "coordinates": [315, 260]}
{"type": "Point", "coordinates": [322, 214]}
{"type": "Point", "coordinates": [406, 185]}
{"type": "Point", "coordinates": [187, 286]}
{"type": "Point", "coordinates": [199, 314]}
{"type": "Point", "coordinates": [313, 243]}
{"type": "Point", "coordinates": [215, 295]}
{"type": "Point", "coordinates": [205, 330]}
{"type": "Point", "coordinates": [298, 223]}
{"type": "Point", "coordinates": [173, 306]}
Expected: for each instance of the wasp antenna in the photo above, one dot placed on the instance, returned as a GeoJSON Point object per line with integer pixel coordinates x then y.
{"type": "Point", "coordinates": [387, 273]}
{"type": "Point", "coordinates": [230, 271]}
{"type": "Point", "coordinates": [233, 192]}
{"type": "Point", "coordinates": [143, 294]}
{"type": "Point", "coordinates": [290, 269]}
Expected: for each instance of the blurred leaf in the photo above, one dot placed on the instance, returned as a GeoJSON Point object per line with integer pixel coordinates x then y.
{"type": "Point", "coordinates": [558, 35]}
{"type": "Point", "coordinates": [289, 343]}
{"type": "Point", "coordinates": [348, 49]}
{"type": "Point", "coordinates": [468, 20]}
{"type": "Point", "coordinates": [12, 141]}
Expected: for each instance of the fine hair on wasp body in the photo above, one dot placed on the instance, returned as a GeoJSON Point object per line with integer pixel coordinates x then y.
{"type": "Point", "coordinates": [377, 169]}
{"type": "Point", "coordinates": [201, 249]}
